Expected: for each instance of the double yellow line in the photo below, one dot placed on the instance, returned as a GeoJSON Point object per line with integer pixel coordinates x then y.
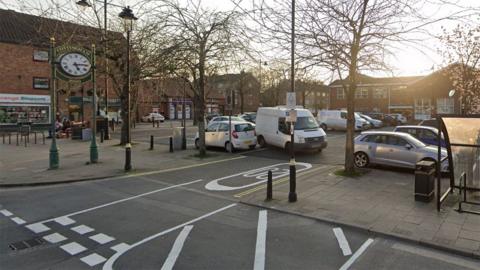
{"type": "Point", "coordinates": [274, 183]}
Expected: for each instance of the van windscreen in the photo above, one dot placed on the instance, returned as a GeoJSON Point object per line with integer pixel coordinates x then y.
{"type": "Point", "coordinates": [306, 122]}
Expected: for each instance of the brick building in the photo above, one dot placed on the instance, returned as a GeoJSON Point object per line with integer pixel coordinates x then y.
{"type": "Point", "coordinates": [25, 71]}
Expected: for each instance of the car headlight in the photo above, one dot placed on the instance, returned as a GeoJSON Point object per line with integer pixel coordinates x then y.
{"type": "Point", "coordinates": [301, 139]}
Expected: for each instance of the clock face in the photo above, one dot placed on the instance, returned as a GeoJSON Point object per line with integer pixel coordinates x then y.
{"type": "Point", "coordinates": [75, 64]}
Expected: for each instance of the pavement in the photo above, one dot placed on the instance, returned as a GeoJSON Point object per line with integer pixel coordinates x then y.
{"type": "Point", "coordinates": [380, 202]}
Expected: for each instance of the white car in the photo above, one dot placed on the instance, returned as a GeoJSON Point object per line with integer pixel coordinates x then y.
{"type": "Point", "coordinates": [337, 120]}
{"type": "Point", "coordinates": [216, 134]}
{"type": "Point", "coordinates": [153, 117]}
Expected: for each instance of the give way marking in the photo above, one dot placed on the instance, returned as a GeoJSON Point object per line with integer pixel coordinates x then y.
{"type": "Point", "coordinates": [261, 174]}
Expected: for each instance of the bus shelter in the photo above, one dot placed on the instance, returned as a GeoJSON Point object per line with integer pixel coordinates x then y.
{"type": "Point", "coordinates": [462, 136]}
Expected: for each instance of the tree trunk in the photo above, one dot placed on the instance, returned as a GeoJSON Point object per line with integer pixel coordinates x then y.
{"type": "Point", "coordinates": [352, 87]}
{"type": "Point", "coordinates": [200, 107]}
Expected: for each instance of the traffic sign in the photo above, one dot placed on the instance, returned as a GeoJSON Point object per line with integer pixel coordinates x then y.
{"type": "Point", "coordinates": [292, 116]}
{"type": "Point", "coordinates": [291, 100]}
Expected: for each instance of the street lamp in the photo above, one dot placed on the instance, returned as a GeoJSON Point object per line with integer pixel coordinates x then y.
{"type": "Point", "coordinates": [184, 123]}
{"type": "Point", "coordinates": [83, 4]}
{"type": "Point", "coordinates": [292, 195]}
{"type": "Point", "coordinates": [128, 18]}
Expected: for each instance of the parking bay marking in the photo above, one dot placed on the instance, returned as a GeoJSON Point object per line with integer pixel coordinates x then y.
{"type": "Point", "coordinates": [177, 248]}
{"type": "Point", "coordinates": [259, 263]}
{"type": "Point", "coordinates": [109, 263]}
{"type": "Point", "coordinates": [357, 254]}
{"type": "Point", "coordinates": [261, 174]}
{"type": "Point", "coordinates": [342, 241]}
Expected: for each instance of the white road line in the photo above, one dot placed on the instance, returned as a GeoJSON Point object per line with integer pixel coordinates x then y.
{"type": "Point", "coordinates": [102, 238]}
{"type": "Point", "coordinates": [6, 213]}
{"type": "Point", "coordinates": [37, 228]}
{"type": "Point", "coordinates": [120, 247]}
{"type": "Point", "coordinates": [73, 248]}
{"type": "Point", "coordinates": [65, 220]}
{"type": "Point", "coordinates": [261, 240]}
{"type": "Point", "coordinates": [55, 238]}
{"type": "Point", "coordinates": [109, 264]}
{"type": "Point", "coordinates": [82, 229]}
{"type": "Point", "coordinates": [357, 254]}
{"type": "Point", "coordinates": [342, 241]}
{"type": "Point", "coordinates": [122, 200]}
{"type": "Point", "coordinates": [93, 259]}
{"type": "Point", "coordinates": [18, 220]}
{"type": "Point", "coordinates": [177, 248]}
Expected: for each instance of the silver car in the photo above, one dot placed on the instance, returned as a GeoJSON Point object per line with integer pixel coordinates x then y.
{"type": "Point", "coordinates": [393, 149]}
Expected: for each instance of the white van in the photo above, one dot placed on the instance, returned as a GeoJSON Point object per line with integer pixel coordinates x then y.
{"type": "Point", "coordinates": [337, 119]}
{"type": "Point", "coordinates": [272, 128]}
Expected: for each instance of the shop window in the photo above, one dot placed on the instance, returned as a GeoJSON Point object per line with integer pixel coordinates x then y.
{"type": "Point", "coordinates": [423, 109]}
{"type": "Point", "coordinates": [20, 114]}
{"type": "Point", "coordinates": [40, 55]}
{"type": "Point", "coordinates": [41, 83]}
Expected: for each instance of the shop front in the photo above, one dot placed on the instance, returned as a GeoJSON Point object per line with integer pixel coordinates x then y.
{"type": "Point", "coordinates": [16, 109]}
{"type": "Point", "coordinates": [175, 106]}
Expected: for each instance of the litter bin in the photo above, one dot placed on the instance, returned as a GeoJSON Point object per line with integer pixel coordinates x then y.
{"type": "Point", "coordinates": [424, 180]}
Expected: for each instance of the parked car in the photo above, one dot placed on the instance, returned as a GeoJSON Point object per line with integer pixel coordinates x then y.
{"type": "Point", "coordinates": [394, 149]}
{"type": "Point", "coordinates": [242, 134]}
{"type": "Point", "coordinates": [153, 117]}
{"type": "Point", "coordinates": [336, 119]}
{"type": "Point", "coordinates": [373, 122]}
{"type": "Point", "coordinates": [272, 129]}
{"type": "Point", "coordinates": [427, 135]}
{"type": "Point", "coordinates": [210, 116]}
{"type": "Point", "coordinates": [429, 123]}
{"type": "Point", "coordinates": [225, 118]}
{"type": "Point", "coordinates": [249, 117]}
{"type": "Point", "coordinates": [395, 119]}
{"type": "Point", "coordinates": [375, 115]}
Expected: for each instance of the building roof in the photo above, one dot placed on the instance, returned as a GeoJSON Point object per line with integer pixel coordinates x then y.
{"type": "Point", "coordinates": [26, 29]}
{"type": "Point", "coordinates": [364, 79]}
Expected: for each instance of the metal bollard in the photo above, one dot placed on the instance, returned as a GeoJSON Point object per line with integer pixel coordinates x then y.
{"type": "Point", "coordinates": [269, 186]}
{"type": "Point", "coordinates": [25, 140]}
{"type": "Point", "coordinates": [158, 124]}
{"type": "Point", "coordinates": [101, 136]}
{"type": "Point", "coordinates": [3, 138]}
{"type": "Point", "coordinates": [151, 142]}
{"type": "Point", "coordinates": [17, 138]}
{"type": "Point", "coordinates": [153, 123]}
{"type": "Point", "coordinates": [9, 138]}
{"type": "Point", "coordinates": [35, 135]}
{"type": "Point", "coordinates": [43, 137]}
{"type": "Point", "coordinates": [171, 144]}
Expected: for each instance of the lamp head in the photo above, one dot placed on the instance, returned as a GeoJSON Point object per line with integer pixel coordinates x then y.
{"type": "Point", "coordinates": [128, 17]}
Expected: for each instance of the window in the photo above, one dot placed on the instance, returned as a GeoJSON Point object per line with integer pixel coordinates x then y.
{"type": "Point", "coordinates": [343, 115]}
{"type": "Point", "coordinates": [244, 127]}
{"type": "Point", "coordinates": [394, 140]}
{"type": "Point", "coordinates": [427, 134]}
{"type": "Point", "coordinates": [340, 93]}
{"type": "Point", "coordinates": [212, 127]}
{"type": "Point", "coordinates": [380, 93]}
{"type": "Point", "coordinates": [40, 55]}
{"type": "Point", "coordinates": [361, 93]}
{"type": "Point", "coordinates": [445, 105]}
{"type": "Point", "coordinates": [410, 131]}
{"type": "Point", "coordinates": [223, 127]}
{"type": "Point", "coordinates": [283, 126]}
{"type": "Point", "coordinates": [41, 83]}
{"type": "Point", "coordinates": [422, 109]}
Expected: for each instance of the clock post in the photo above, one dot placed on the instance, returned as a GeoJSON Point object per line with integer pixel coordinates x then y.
{"type": "Point", "coordinates": [54, 159]}
{"type": "Point", "coordinates": [93, 144]}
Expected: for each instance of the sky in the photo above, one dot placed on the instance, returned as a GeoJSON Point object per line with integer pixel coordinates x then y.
{"type": "Point", "coordinates": [407, 59]}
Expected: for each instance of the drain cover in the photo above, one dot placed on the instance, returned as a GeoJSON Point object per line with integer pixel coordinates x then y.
{"type": "Point", "coordinates": [30, 243]}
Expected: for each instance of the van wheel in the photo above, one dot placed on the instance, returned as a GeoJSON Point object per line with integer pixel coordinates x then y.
{"type": "Point", "coordinates": [361, 159]}
{"type": "Point", "coordinates": [229, 147]}
{"type": "Point", "coordinates": [261, 142]}
{"type": "Point", "coordinates": [323, 126]}
{"type": "Point", "coordinates": [197, 143]}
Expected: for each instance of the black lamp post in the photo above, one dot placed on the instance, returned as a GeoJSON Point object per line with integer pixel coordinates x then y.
{"type": "Point", "coordinates": [292, 195]}
{"type": "Point", "coordinates": [128, 18]}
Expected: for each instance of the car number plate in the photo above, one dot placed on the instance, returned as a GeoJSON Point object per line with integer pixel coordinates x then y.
{"type": "Point", "coordinates": [248, 142]}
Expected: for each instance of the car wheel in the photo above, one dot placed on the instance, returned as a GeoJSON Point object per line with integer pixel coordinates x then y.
{"type": "Point", "coordinates": [324, 127]}
{"type": "Point", "coordinates": [361, 160]}
{"type": "Point", "coordinates": [229, 147]}
{"type": "Point", "coordinates": [251, 147]}
{"type": "Point", "coordinates": [262, 142]}
{"type": "Point", "coordinates": [197, 143]}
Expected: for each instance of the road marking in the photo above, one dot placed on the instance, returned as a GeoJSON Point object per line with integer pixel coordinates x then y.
{"type": "Point", "coordinates": [259, 263]}
{"type": "Point", "coordinates": [54, 238]}
{"type": "Point", "coordinates": [73, 248]}
{"type": "Point", "coordinates": [18, 220]}
{"type": "Point", "coordinates": [342, 241]}
{"type": "Point", "coordinates": [37, 227]}
{"type": "Point", "coordinates": [102, 238]}
{"type": "Point", "coordinates": [18, 169]}
{"type": "Point", "coordinates": [121, 200]}
{"type": "Point", "coordinates": [357, 254]}
{"type": "Point", "coordinates": [82, 229]}
{"type": "Point", "coordinates": [6, 213]}
{"type": "Point", "coordinates": [177, 248]}
{"type": "Point", "coordinates": [120, 247]}
{"type": "Point", "coordinates": [260, 173]}
{"type": "Point", "coordinates": [93, 259]}
{"type": "Point", "coordinates": [277, 182]}
{"type": "Point", "coordinates": [441, 256]}
{"type": "Point", "coordinates": [65, 220]}
{"type": "Point", "coordinates": [109, 264]}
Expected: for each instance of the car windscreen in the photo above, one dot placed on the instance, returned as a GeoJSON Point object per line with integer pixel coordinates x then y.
{"type": "Point", "coordinates": [415, 141]}
{"type": "Point", "coordinates": [357, 116]}
{"type": "Point", "coordinates": [306, 122]}
{"type": "Point", "coordinates": [243, 127]}
{"type": "Point", "coordinates": [366, 117]}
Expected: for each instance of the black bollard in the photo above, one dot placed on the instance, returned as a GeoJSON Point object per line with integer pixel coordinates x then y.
{"type": "Point", "coordinates": [158, 124]}
{"type": "Point", "coordinates": [151, 142]}
{"type": "Point", "coordinates": [9, 138]}
{"type": "Point", "coordinates": [3, 137]}
{"type": "Point", "coordinates": [153, 123]}
{"type": "Point", "coordinates": [43, 137]}
{"type": "Point", "coordinates": [25, 140]}
{"type": "Point", "coordinates": [171, 144]}
{"type": "Point", "coordinates": [101, 135]}
{"type": "Point", "coordinates": [17, 138]}
{"type": "Point", "coordinates": [269, 186]}
{"type": "Point", "coordinates": [35, 134]}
